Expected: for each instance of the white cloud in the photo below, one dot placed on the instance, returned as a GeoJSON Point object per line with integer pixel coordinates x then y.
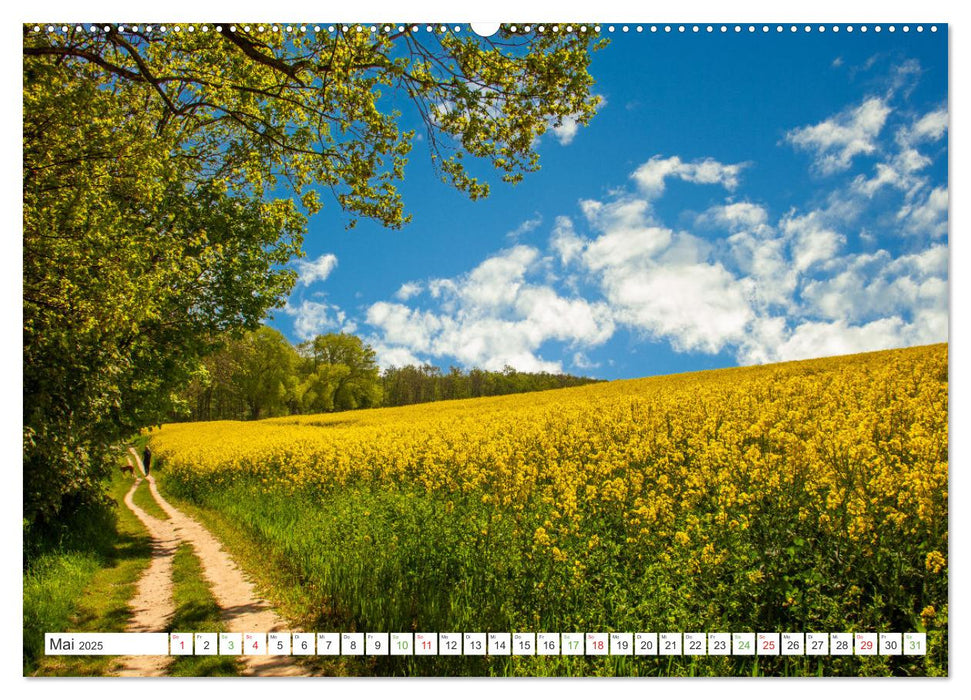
{"type": "Point", "coordinates": [496, 282]}
{"type": "Point", "coordinates": [766, 291]}
{"type": "Point", "coordinates": [527, 226]}
{"type": "Point", "coordinates": [897, 175]}
{"type": "Point", "coordinates": [550, 316]}
{"type": "Point", "coordinates": [930, 127]}
{"type": "Point", "coordinates": [756, 250]}
{"type": "Point", "coordinates": [493, 316]}
{"type": "Point", "coordinates": [404, 326]}
{"type": "Point", "coordinates": [770, 279]}
{"type": "Point", "coordinates": [566, 130]}
{"type": "Point", "coordinates": [651, 175]}
{"type": "Point", "coordinates": [660, 282]}
{"type": "Point", "coordinates": [318, 270]}
{"type": "Point", "coordinates": [870, 285]}
{"type": "Point", "coordinates": [739, 280]}
{"type": "Point", "coordinates": [392, 356]}
{"type": "Point", "coordinates": [626, 247]}
{"type": "Point", "coordinates": [735, 216]}
{"type": "Point", "coordinates": [698, 307]}
{"type": "Point", "coordinates": [927, 217]}
{"type": "Point", "coordinates": [837, 140]}
{"type": "Point", "coordinates": [408, 290]}
{"type": "Point", "coordinates": [901, 170]}
{"type": "Point", "coordinates": [932, 261]}
{"type": "Point", "coordinates": [312, 318]}
{"type": "Point", "coordinates": [822, 339]}
{"type": "Point", "coordinates": [565, 242]}
{"type": "Point", "coordinates": [811, 239]}
{"type": "Point", "coordinates": [904, 78]}
{"type": "Point", "coordinates": [581, 361]}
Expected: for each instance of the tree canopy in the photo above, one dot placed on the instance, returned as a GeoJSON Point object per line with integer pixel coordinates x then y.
{"type": "Point", "coordinates": [154, 164]}
{"type": "Point", "coordinates": [261, 375]}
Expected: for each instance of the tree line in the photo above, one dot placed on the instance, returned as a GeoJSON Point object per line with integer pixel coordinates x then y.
{"type": "Point", "coordinates": [261, 375]}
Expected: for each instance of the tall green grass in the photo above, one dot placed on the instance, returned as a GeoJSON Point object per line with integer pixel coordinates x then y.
{"type": "Point", "coordinates": [79, 578]}
{"type": "Point", "coordinates": [388, 560]}
{"type": "Point", "coordinates": [52, 585]}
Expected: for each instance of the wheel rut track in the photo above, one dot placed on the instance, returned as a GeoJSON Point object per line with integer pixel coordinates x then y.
{"type": "Point", "coordinates": [243, 610]}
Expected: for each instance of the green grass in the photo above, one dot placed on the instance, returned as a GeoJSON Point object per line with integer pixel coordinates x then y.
{"type": "Point", "coordinates": [143, 499]}
{"type": "Point", "coordinates": [51, 587]}
{"type": "Point", "coordinates": [196, 611]}
{"type": "Point", "coordinates": [84, 585]}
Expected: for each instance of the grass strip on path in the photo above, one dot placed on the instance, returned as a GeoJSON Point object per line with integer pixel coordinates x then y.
{"type": "Point", "coordinates": [144, 500]}
{"type": "Point", "coordinates": [196, 611]}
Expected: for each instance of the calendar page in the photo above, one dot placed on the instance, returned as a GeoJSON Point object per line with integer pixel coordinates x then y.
{"type": "Point", "coordinates": [449, 349]}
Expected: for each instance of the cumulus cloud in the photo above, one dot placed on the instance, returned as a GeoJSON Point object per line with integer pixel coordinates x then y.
{"type": "Point", "coordinates": [496, 282]}
{"type": "Point", "coordinates": [651, 175]}
{"type": "Point", "coordinates": [408, 290]}
{"type": "Point", "coordinates": [902, 170]}
{"type": "Point", "coordinates": [898, 174]}
{"type": "Point", "coordinates": [404, 326]}
{"type": "Point", "coordinates": [764, 289]}
{"type": "Point", "coordinates": [566, 130]}
{"type": "Point", "coordinates": [697, 307]}
{"type": "Point", "coordinates": [312, 318]}
{"type": "Point", "coordinates": [869, 285]}
{"type": "Point", "coordinates": [821, 339]}
{"type": "Point", "coordinates": [930, 127]}
{"type": "Point", "coordinates": [735, 278]}
{"type": "Point", "coordinates": [926, 217]}
{"type": "Point", "coordinates": [659, 281]}
{"type": "Point", "coordinates": [734, 216]}
{"type": "Point", "coordinates": [756, 251]}
{"type": "Point", "coordinates": [493, 316]}
{"type": "Point", "coordinates": [392, 356]}
{"type": "Point", "coordinates": [836, 141]}
{"type": "Point", "coordinates": [310, 271]}
{"type": "Point", "coordinates": [813, 240]}
{"type": "Point", "coordinates": [581, 361]}
{"type": "Point", "coordinates": [565, 242]}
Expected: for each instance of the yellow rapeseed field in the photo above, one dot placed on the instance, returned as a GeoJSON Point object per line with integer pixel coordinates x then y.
{"type": "Point", "coordinates": [790, 496]}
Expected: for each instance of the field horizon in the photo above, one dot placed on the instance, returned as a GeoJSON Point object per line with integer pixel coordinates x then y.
{"type": "Point", "coordinates": [596, 383]}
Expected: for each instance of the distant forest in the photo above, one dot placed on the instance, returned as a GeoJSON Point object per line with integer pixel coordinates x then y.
{"type": "Point", "coordinates": [262, 375]}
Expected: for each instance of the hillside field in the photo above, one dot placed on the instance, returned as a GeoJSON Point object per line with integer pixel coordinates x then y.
{"type": "Point", "coordinates": [805, 496]}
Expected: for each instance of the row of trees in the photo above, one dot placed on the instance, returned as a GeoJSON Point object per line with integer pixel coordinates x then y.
{"type": "Point", "coordinates": [410, 384]}
{"type": "Point", "coordinates": [261, 375]}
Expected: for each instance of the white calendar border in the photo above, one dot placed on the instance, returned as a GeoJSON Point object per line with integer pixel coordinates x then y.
{"type": "Point", "coordinates": [566, 10]}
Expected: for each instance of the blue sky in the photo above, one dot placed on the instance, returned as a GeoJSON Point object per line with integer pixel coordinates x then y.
{"type": "Point", "coordinates": [740, 198]}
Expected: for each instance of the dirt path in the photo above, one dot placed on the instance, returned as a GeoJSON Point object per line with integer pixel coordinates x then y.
{"type": "Point", "coordinates": [152, 606]}
{"type": "Point", "coordinates": [243, 610]}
